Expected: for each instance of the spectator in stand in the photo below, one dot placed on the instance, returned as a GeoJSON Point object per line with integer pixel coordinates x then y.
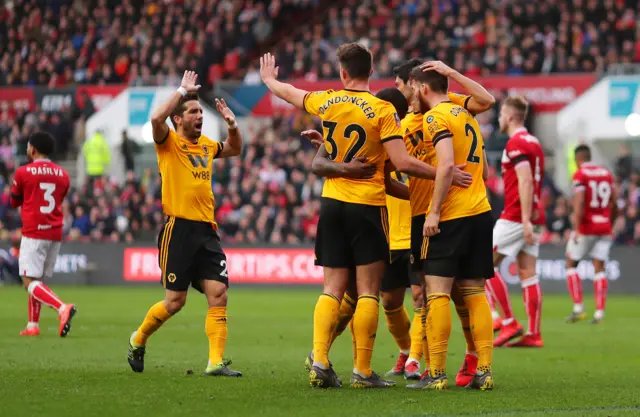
{"type": "Point", "coordinates": [129, 148]}
{"type": "Point", "coordinates": [97, 156]}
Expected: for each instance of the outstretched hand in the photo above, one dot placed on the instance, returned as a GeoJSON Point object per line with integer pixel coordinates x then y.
{"type": "Point", "coordinates": [189, 80]}
{"type": "Point", "coordinates": [268, 69]}
{"type": "Point", "coordinates": [225, 111]}
{"type": "Point", "coordinates": [314, 136]}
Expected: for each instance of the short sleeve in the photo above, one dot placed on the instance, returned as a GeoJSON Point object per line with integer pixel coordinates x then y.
{"type": "Point", "coordinates": [516, 152]}
{"type": "Point", "coordinates": [578, 182]}
{"type": "Point", "coordinates": [314, 100]}
{"type": "Point", "coordinates": [389, 123]}
{"type": "Point", "coordinates": [460, 99]}
{"type": "Point", "coordinates": [164, 145]}
{"type": "Point", "coordinates": [435, 128]}
{"type": "Point", "coordinates": [217, 151]}
{"type": "Point", "coordinates": [16, 186]}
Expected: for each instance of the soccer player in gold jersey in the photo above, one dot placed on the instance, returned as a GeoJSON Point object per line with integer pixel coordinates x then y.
{"type": "Point", "coordinates": [190, 253]}
{"type": "Point", "coordinates": [477, 101]}
{"type": "Point", "coordinates": [353, 226]}
{"type": "Point", "coordinates": [457, 229]}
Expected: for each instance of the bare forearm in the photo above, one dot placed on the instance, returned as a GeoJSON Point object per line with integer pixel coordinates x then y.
{"type": "Point", "coordinates": [396, 189]}
{"type": "Point", "coordinates": [233, 143]}
{"type": "Point", "coordinates": [444, 177]}
{"type": "Point", "coordinates": [475, 90]}
{"type": "Point", "coordinates": [287, 92]}
{"type": "Point", "coordinates": [525, 191]}
{"type": "Point", "coordinates": [415, 168]}
{"type": "Point", "coordinates": [323, 167]}
{"type": "Point", "coordinates": [164, 110]}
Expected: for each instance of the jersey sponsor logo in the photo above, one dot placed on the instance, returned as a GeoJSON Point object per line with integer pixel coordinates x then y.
{"type": "Point", "coordinates": [395, 116]}
{"type": "Point", "coordinates": [198, 160]}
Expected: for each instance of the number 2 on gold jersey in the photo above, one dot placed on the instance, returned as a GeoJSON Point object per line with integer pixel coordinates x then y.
{"type": "Point", "coordinates": [348, 131]}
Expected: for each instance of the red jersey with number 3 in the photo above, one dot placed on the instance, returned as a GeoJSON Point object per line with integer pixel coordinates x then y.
{"type": "Point", "coordinates": [597, 184]}
{"type": "Point", "coordinates": [40, 187]}
{"type": "Point", "coordinates": [522, 149]}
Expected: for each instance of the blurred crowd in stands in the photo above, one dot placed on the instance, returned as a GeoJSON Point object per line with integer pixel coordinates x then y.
{"type": "Point", "coordinates": [150, 42]}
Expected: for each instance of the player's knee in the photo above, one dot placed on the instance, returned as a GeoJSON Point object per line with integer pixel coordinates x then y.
{"type": "Point", "coordinates": [417, 294]}
{"type": "Point", "coordinates": [598, 266]}
{"type": "Point", "coordinates": [392, 300]}
{"type": "Point", "coordinates": [26, 282]}
{"type": "Point", "coordinates": [571, 263]}
{"type": "Point", "coordinates": [218, 299]}
{"type": "Point", "coordinates": [175, 304]}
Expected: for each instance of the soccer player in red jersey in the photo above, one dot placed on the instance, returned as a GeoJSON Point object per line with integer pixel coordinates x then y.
{"type": "Point", "coordinates": [594, 211]}
{"type": "Point", "coordinates": [515, 232]}
{"type": "Point", "coordinates": [39, 188]}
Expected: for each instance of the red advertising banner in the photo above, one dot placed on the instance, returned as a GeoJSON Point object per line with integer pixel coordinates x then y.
{"type": "Point", "coordinates": [547, 93]}
{"type": "Point", "coordinates": [17, 98]}
{"type": "Point", "coordinates": [245, 266]}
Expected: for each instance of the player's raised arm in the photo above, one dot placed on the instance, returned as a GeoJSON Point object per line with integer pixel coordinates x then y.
{"type": "Point", "coordinates": [322, 166]}
{"type": "Point", "coordinates": [480, 101]}
{"type": "Point", "coordinates": [159, 117]}
{"type": "Point", "coordinates": [287, 92]}
{"type": "Point", "coordinates": [232, 146]}
{"type": "Point", "coordinates": [16, 196]}
{"type": "Point", "coordinates": [443, 144]}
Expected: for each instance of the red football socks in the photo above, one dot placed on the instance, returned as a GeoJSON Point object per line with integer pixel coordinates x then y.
{"type": "Point", "coordinates": [500, 292]}
{"type": "Point", "coordinates": [42, 293]}
{"type": "Point", "coordinates": [532, 303]}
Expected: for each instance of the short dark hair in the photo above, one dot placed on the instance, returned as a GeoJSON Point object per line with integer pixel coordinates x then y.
{"type": "Point", "coordinates": [395, 97]}
{"type": "Point", "coordinates": [356, 59]}
{"type": "Point", "coordinates": [519, 104]}
{"type": "Point", "coordinates": [436, 81]}
{"type": "Point", "coordinates": [43, 143]}
{"type": "Point", "coordinates": [403, 70]}
{"type": "Point", "coordinates": [583, 150]}
{"type": "Point", "coordinates": [180, 108]}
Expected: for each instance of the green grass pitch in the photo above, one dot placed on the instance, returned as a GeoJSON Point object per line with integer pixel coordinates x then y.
{"type": "Point", "coordinates": [583, 370]}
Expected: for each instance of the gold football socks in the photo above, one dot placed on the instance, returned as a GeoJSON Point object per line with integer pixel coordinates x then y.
{"type": "Point", "coordinates": [325, 318]}
{"type": "Point", "coordinates": [156, 316]}
{"type": "Point", "coordinates": [365, 325]}
{"type": "Point", "coordinates": [399, 325]}
{"type": "Point", "coordinates": [216, 328]}
{"type": "Point", "coordinates": [417, 334]}
{"type": "Point", "coordinates": [438, 332]}
{"type": "Point", "coordinates": [481, 325]}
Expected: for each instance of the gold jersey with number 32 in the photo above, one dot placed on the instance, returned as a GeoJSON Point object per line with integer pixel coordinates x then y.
{"type": "Point", "coordinates": [355, 124]}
